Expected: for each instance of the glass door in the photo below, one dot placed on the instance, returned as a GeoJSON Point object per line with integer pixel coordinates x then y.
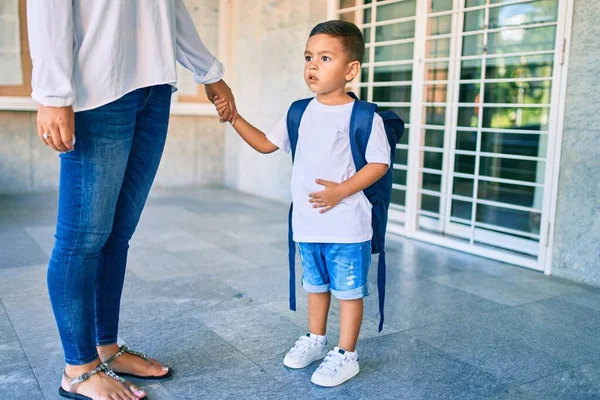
{"type": "Point", "coordinates": [474, 80]}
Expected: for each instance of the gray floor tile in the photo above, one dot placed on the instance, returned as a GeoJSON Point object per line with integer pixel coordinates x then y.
{"type": "Point", "coordinates": [413, 363]}
{"type": "Point", "coordinates": [264, 285]}
{"type": "Point", "coordinates": [46, 358]}
{"type": "Point", "coordinates": [20, 250]}
{"type": "Point", "coordinates": [500, 290]}
{"type": "Point", "coordinates": [170, 240]}
{"type": "Point", "coordinates": [246, 381]}
{"type": "Point", "coordinates": [43, 236]}
{"type": "Point", "coordinates": [255, 331]}
{"type": "Point", "coordinates": [154, 264]}
{"type": "Point", "coordinates": [17, 382]}
{"type": "Point", "coordinates": [207, 261]}
{"type": "Point", "coordinates": [590, 299]}
{"type": "Point", "coordinates": [144, 301]}
{"type": "Point", "coordinates": [554, 337]}
{"type": "Point", "coordinates": [23, 281]}
{"type": "Point", "coordinates": [420, 302]}
{"type": "Point", "coordinates": [561, 311]}
{"type": "Point", "coordinates": [186, 345]}
{"type": "Point", "coordinates": [579, 383]}
{"type": "Point", "coordinates": [264, 255]}
{"type": "Point", "coordinates": [31, 316]}
{"type": "Point", "coordinates": [491, 352]}
{"type": "Point", "coordinates": [33, 209]}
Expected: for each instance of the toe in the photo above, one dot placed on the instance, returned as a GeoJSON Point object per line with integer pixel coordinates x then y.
{"type": "Point", "coordinates": [137, 392]}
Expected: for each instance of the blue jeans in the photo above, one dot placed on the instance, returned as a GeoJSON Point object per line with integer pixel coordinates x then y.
{"type": "Point", "coordinates": [104, 183]}
{"type": "Point", "coordinates": [341, 268]}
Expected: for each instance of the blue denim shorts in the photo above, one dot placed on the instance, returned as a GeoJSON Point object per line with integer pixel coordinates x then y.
{"type": "Point", "coordinates": [341, 268]}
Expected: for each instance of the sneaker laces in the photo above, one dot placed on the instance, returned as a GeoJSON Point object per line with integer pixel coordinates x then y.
{"type": "Point", "coordinates": [332, 362]}
{"type": "Point", "coordinates": [302, 345]}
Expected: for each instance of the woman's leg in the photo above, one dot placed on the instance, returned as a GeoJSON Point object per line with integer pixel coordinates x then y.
{"type": "Point", "coordinates": [144, 158]}
{"type": "Point", "coordinates": [90, 181]}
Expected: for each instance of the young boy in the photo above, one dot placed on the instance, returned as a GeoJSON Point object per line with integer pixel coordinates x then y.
{"type": "Point", "coordinates": [331, 218]}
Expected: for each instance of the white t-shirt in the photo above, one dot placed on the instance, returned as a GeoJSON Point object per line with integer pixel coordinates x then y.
{"type": "Point", "coordinates": [323, 152]}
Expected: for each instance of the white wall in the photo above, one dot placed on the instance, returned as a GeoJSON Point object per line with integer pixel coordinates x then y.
{"type": "Point", "coordinates": [266, 74]}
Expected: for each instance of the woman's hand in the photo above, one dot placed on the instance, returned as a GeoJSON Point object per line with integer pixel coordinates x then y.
{"type": "Point", "coordinates": [56, 127]}
{"type": "Point", "coordinates": [220, 90]}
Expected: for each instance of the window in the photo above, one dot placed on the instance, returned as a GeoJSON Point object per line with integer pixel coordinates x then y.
{"type": "Point", "coordinates": [474, 81]}
{"type": "Point", "coordinates": [15, 62]}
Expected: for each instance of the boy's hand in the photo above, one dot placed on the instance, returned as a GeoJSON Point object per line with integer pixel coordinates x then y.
{"type": "Point", "coordinates": [222, 106]}
{"type": "Point", "coordinates": [222, 91]}
{"type": "Point", "coordinates": [327, 198]}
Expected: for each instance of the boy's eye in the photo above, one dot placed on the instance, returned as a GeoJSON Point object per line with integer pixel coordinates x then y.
{"type": "Point", "coordinates": [325, 58]}
{"type": "Point", "coordinates": [307, 58]}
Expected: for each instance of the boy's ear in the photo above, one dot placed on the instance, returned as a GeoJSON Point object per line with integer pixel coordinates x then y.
{"type": "Point", "coordinates": [353, 70]}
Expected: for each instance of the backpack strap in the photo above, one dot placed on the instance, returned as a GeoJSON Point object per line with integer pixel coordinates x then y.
{"type": "Point", "coordinates": [381, 273]}
{"type": "Point", "coordinates": [294, 116]}
{"type": "Point", "coordinates": [361, 123]}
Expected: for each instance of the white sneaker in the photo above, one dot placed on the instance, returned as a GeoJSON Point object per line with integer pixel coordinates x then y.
{"type": "Point", "coordinates": [336, 369]}
{"type": "Point", "coordinates": [306, 351]}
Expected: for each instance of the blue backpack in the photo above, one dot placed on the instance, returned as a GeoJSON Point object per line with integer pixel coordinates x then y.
{"type": "Point", "coordinates": [379, 194]}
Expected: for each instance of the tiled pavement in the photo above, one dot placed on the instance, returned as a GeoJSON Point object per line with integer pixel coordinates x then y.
{"type": "Point", "coordinates": [206, 292]}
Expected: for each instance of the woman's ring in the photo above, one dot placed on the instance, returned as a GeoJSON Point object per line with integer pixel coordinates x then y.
{"type": "Point", "coordinates": [46, 136]}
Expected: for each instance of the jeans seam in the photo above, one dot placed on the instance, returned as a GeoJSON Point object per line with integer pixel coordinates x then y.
{"type": "Point", "coordinates": [69, 259]}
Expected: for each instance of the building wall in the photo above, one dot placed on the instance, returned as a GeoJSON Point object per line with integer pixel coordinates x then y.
{"type": "Point", "coordinates": [268, 38]}
{"type": "Point", "coordinates": [193, 154]}
{"type": "Point", "coordinates": [576, 251]}
{"type": "Point", "coordinates": [194, 150]}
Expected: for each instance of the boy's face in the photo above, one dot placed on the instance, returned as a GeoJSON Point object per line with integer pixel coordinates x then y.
{"type": "Point", "coordinates": [327, 67]}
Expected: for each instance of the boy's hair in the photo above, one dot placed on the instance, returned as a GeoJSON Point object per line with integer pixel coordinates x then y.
{"type": "Point", "coordinates": [349, 34]}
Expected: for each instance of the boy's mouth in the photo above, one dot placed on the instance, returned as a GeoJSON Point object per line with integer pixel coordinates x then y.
{"type": "Point", "coordinates": [312, 79]}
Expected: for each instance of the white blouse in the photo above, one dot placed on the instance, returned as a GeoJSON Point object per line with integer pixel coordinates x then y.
{"type": "Point", "coordinates": [87, 53]}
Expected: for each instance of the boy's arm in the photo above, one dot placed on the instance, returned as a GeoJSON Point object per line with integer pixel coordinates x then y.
{"type": "Point", "coordinates": [335, 192]}
{"type": "Point", "coordinates": [254, 137]}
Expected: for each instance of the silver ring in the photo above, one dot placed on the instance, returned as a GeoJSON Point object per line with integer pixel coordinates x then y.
{"type": "Point", "coordinates": [46, 136]}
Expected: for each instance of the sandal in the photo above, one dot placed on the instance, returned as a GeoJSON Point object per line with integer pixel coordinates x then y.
{"type": "Point", "coordinates": [124, 349]}
{"type": "Point", "coordinates": [72, 382]}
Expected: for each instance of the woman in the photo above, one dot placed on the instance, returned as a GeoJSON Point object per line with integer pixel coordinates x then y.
{"type": "Point", "coordinates": [103, 73]}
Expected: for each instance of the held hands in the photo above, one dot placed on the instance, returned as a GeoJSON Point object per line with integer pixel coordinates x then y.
{"type": "Point", "coordinates": [328, 197]}
{"type": "Point", "coordinates": [220, 91]}
{"type": "Point", "coordinates": [56, 127]}
{"type": "Point", "coordinates": [223, 106]}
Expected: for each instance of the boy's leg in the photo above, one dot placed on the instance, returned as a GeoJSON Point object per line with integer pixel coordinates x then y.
{"type": "Point", "coordinates": [351, 315]}
{"type": "Point", "coordinates": [315, 280]}
{"type": "Point", "coordinates": [312, 346]}
{"type": "Point", "coordinates": [348, 267]}
{"type": "Point", "coordinates": [318, 308]}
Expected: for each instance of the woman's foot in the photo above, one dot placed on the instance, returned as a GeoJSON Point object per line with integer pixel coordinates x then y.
{"type": "Point", "coordinates": [99, 386]}
{"type": "Point", "coordinates": [132, 363]}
